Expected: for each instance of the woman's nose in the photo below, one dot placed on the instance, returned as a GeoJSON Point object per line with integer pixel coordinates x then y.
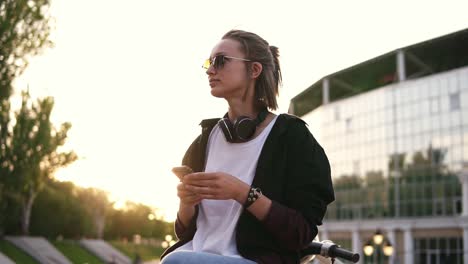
{"type": "Point", "coordinates": [211, 70]}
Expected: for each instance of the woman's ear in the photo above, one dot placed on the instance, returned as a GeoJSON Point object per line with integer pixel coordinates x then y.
{"type": "Point", "coordinates": [257, 68]}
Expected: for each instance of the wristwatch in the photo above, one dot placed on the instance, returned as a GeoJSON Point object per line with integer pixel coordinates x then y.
{"type": "Point", "coordinates": [254, 194]}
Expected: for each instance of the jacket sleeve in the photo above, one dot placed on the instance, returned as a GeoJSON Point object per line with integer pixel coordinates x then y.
{"type": "Point", "coordinates": [308, 191]}
{"type": "Point", "coordinates": [186, 232]}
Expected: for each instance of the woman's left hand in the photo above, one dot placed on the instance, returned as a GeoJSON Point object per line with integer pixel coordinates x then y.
{"type": "Point", "coordinates": [217, 186]}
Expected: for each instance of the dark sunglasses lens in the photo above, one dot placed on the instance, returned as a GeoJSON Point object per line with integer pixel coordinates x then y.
{"type": "Point", "coordinates": [218, 62]}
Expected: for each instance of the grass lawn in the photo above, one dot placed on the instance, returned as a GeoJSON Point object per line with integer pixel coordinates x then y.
{"type": "Point", "coordinates": [15, 254]}
{"type": "Point", "coordinates": [146, 252]}
{"type": "Point", "coordinates": [75, 253]}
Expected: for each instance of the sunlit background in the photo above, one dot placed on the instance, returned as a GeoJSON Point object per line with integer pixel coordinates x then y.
{"type": "Point", "coordinates": [128, 76]}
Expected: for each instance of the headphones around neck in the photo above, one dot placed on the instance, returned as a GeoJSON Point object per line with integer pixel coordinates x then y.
{"type": "Point", "coordinates": [243, 128]}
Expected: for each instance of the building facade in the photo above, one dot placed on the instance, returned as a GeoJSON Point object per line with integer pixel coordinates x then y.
{"type": "Point", "coordinates": [395, 129]}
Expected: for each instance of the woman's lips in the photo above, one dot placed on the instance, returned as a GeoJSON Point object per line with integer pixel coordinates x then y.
{"type": "Point", "coordinates": [213, 82]}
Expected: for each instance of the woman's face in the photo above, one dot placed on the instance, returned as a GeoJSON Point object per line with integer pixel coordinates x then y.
{"type": "Point", "coordinates": [230, 80]}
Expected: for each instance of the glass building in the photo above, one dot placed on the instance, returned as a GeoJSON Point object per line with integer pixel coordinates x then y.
{"type": "Point", "coordinates": [395, 129]}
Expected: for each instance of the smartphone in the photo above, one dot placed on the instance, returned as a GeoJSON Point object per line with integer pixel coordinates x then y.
{"type": "Point", "coordinates": [181, 171]}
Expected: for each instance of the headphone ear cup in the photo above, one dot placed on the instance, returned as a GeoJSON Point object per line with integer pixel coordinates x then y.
{"type": "Point", "coordinates": [227, 128]}
{"type": "Point", "coordinates": [245, 128]}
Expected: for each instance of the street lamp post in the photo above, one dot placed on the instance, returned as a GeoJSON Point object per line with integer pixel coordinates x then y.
{"type": "Point", "coordinates": [378, 248]}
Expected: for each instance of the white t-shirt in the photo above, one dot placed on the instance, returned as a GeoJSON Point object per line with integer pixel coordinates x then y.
{"type": "Point", "coordinates": [217, 219]}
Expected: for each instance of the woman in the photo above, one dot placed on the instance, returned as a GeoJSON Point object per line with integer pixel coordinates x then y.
{"type": "Point", "coordinates": [262, 182]}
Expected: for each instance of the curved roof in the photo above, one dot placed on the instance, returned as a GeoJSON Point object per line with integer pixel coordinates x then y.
{"type": "Point", "coordinates": [425, 58]}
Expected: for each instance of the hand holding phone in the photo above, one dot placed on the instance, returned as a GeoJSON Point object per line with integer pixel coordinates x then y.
{"type": "Point", "coordinates": [181, 171]}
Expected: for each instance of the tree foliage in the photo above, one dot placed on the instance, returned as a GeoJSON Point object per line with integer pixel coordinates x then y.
{"type": "Point", "coordinates": [31, 153]}
{"type": "Point", "coordinates": [75, 212]}
{"type": "Point", "coordinates": [133, 219]}
{"type": "Point", "coordinates": [24, 32]}
{"type": "Point", "coordinates": [58, 211]}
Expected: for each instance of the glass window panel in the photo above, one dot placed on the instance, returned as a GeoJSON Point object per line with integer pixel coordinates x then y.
{"type": "Point", "coordinates": [391, 147]}
{"type": "Point", "coordinates": [337, 113]}
{"type": "Point", "coordinates": [399, 96]}
{"type": "Point", "coordinates": [418, 127]}
{"type": "Point", "coordinates": [399, 129]}
{"type": "Point", "coordinates": [456, 136]}
{"type": "Point", "coordinates": [407, 111]}
{"type": "Point", "coordinates": [444, 89]}
{"type": "Point", "coordinates": [405, 129]}
{"type": "Point", "coordinates": [413, 126]}
{"type": "Point", "coordinates": [424, 107]}
{"type": "Point", "coordinates": [434, 88]}
{"type": "Point", "coordinates": [464, 114]}
{"type": "Point", "coordinates": [455, 119]}
{"type": "Point", "coordinates": [446, 140]}
{"type": "Point", "coordinates": [464, 99]}
{"type": "Point", "coordinates": [403, 93]}
{"type": "Point", "coordinates": [416, 109]}
{"type": "Point", "coordinates": [401, 146]}
{"type": "Point", "coordinates": [425, 141]}
{"type": "Point", "coordinates": [453, 243]}
{"type": "Point", "coordinates": [445, 103]}
{"type": "Point", "coordinates": [465, 151]}
{"type": "Point", "coordinates": [348, 124]}
{"type": "Point", "coordinates": [436, 142]}
{"type": "Point", "coordinates": [388, 98]}
{"type": "Point", "coordinates": [434, 104]}
{"type": "Point", "coordinates": [453, 83]}
{"type": "Point", "coordinates": [423, 91]}
{"type": "Point", "coordinates": [455, 102]}
{"type": "Point", "coordinates": [435, 122]}
{"type": "Point", "coordinates": [445, 120]}
{"type": "Point", "coordinates": [425, 122]}
{"type": "Point", "coordinates": [416, 92]}
{"type": "Point", "coordinates": [408, 144]}
{"type": "Point", "coordinates": [399, 113]}
{"type": "Point", "coordinates": [418, 143]}
{"type": "Point", "coordinates": [463, 79]}
{"type": "Point", "coordinates": [388, 113]}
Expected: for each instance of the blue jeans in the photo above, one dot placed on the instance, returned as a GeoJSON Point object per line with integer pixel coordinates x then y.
{"type": "Point", "coordinates": [190, 257]}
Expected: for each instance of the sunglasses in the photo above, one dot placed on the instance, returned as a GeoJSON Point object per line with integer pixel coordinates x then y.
{"type": "Point", "coordinates": [218, 61]}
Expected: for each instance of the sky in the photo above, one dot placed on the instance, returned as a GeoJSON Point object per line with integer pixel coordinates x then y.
{"type": "Point", "coordinates": [128, 76]}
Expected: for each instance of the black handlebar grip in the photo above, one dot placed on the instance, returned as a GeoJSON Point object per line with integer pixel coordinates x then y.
{"type": "Point", "coordinates": [313, 249]}
{"type": "Point", "coordinates": [337, 252]}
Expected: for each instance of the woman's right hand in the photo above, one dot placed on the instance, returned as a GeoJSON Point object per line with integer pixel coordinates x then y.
{"type": "Point", "coordinates": [187, 198]}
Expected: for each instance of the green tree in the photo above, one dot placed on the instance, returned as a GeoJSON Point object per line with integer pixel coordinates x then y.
{"type": "Point", "coordinates": [97, 206]}
{"type": "Point", "coordinates": [33, 156]}
{"type": "Point", "coordinates": [133, 219]}
{"type": "Point", "coordinates": [24, 32]}
{"type": "Point", "coordinates": [71, 219]}
{"type": "Point", "coordinates": [5, 136]}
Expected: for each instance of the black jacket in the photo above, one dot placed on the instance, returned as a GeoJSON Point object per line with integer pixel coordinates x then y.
{"type": "Point", "coordinates": [294, 172]}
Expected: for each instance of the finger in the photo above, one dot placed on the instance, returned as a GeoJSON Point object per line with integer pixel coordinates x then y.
{"type": "Point", "coordinates": [200, 176]}
{"type": "Point", "coordinates": [201, 183]}
{"type": "Point", "coordinates": [201, 190]}
{"type": "Point", "coordinates": [182, 188]}
{"type": "Point", "coordinates": [211, 197]}
{"type": "Point", "coordinates": [186, 194]}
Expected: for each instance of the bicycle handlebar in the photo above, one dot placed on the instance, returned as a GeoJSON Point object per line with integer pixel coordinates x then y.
{"type": "Point", "coordinates": [328, 249]}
